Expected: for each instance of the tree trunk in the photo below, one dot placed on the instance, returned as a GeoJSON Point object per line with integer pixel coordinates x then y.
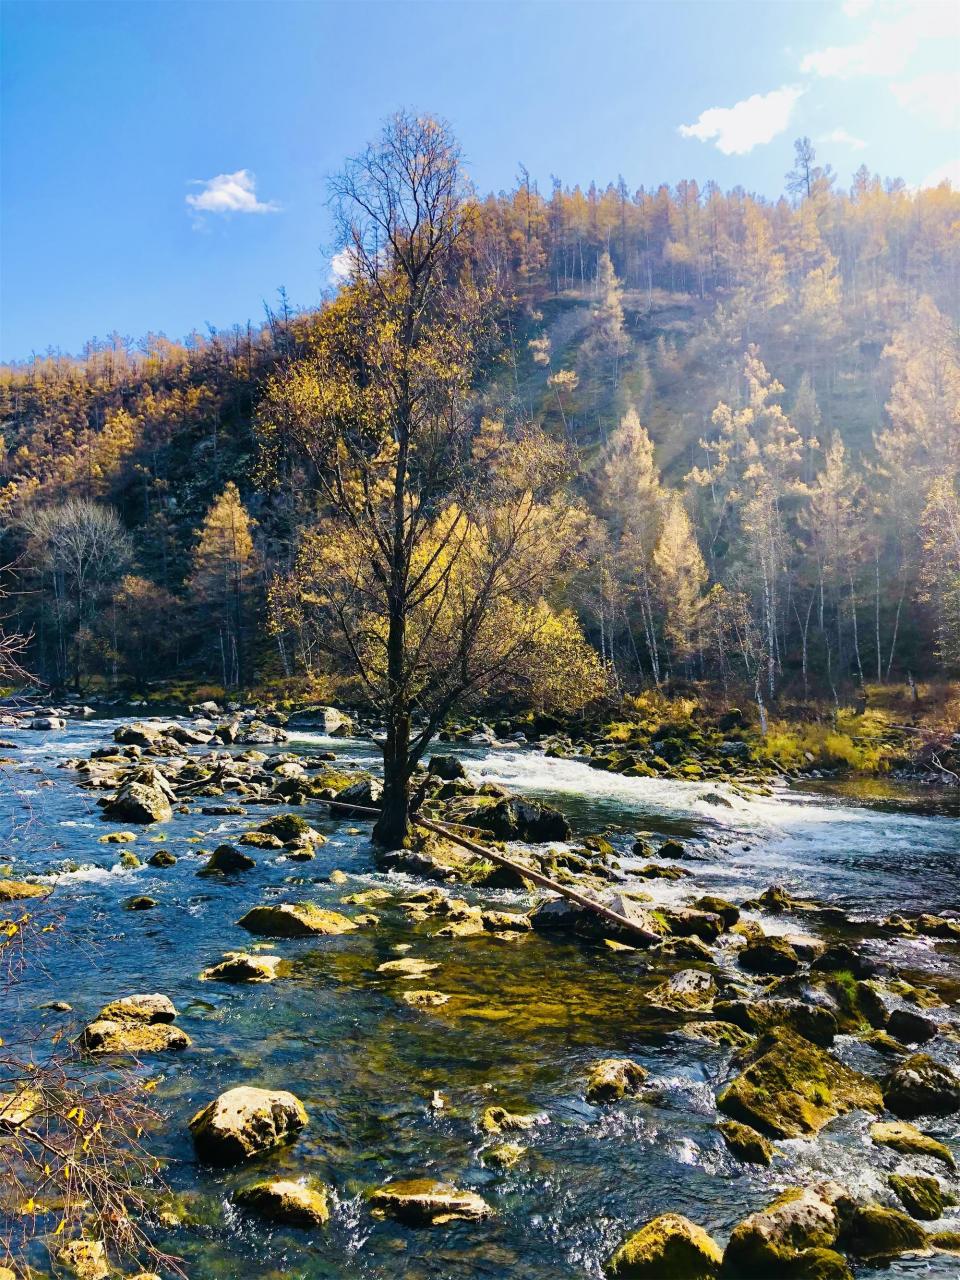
{"type": "Point", "coordinates": [392, 828]}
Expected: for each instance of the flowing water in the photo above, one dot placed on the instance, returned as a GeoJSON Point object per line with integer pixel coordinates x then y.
{"type": "Point", "coordinates": [524, 1021]}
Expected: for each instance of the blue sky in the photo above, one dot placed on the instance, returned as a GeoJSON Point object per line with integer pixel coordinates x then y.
{"type": "Point", "coordinates": [164, 163]}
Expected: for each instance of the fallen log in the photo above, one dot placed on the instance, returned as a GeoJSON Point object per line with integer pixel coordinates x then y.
{"type": "Point", "coordinates": [491, 855]}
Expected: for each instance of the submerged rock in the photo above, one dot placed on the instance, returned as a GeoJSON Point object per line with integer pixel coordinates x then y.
{"type": "Point", "coordinates": [611, 1079]}
{"type": "Point", "coordinates": [667, 1247]}
{"type": "Point", "coordinates": [18, 1106]}
{"type": "Point", "coordinates": [908, 1140]}
{"type": "Point", "coordinates": [408, 967]}
{"type": "Point", "coordinates": [504, 1155]}
{"type": "Point", "coordinates": [921, 1086]}
{"type": "Point", "coordinates": [285, 1201]}
{"type": "Point", "coordinates": [422, 1202]}
{"type": "Point", "coordinates": [294, 920]}
{"type": "Point", "coordinates": [791, 1088]}
{"type": "Point", "coordinates": [86, 1259]}
{"type": "Point", "coordinates": [244, 1122]}
{"type": "Point", "coordinates": [421, 999]}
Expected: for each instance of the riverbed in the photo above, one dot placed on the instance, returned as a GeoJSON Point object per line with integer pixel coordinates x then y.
{"type": "Point", "coordinates": [523, 1022]}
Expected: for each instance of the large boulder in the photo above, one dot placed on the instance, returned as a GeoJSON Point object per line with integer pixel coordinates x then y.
{"type": "Point", "coordinates": [526, 820]}
{"type": "Point", "coordinates": [921, 1086]}
{"type": "Point", "coordinates": [874, 1231]}
{"type": "Point", "coordinates": [144, 796]}
{"type": "Point", "coordinates": [245, 1122]}
{"type": "Point", "coordinates": [668, 1247]}
{"type": "Point", "coordinates": [790, 1088]}
{"type": "Point", "coordinates": [561, 915]}
{"type": "Point", "coordinates": [768, 1243]}
{"type": "Point", "coordinates": [280, 1200]}
{"type": "Point", "coordinates": [294, 920]}
{"type": "Point", "coordinates": [423, 1202]}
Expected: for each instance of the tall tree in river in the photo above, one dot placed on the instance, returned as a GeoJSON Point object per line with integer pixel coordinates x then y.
{"type": "Point", "coordinates": [223, 580]}
{"type": "Point", "coordinates": [436, 539]}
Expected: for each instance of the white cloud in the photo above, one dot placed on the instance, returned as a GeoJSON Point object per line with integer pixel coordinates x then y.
{"type": "Point", "coordinates": [949, 172]}
{"type": "Point", "coordinates": [341, 266]}
{"type": "Point", "coordinates": [935, 95]}
{"type": "Point", "coordinates": [230, 193]}
{"type": "Point", "coordinates": [738, 129]}
{"type": "Point", "coordinates": [888, 45]}
{"type": "Point", "coordinates": [843, 139]}
{"type": "Point", "coordinates": [854, 8]}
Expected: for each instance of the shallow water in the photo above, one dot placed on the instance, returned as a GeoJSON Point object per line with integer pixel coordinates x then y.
{"type": "Point", "coordinates": [524, 1020]}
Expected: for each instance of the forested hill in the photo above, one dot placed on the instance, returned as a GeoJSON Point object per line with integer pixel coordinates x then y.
{"type": "Point", "coordinates": [764, 400]}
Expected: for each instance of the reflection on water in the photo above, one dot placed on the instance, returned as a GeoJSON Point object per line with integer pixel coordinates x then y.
{"type": "Point", "coordinates": [524, 1019]}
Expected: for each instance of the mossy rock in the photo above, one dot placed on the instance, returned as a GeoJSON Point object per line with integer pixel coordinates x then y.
{"type": "Point", "coordinates": [874, 1231]}
{"type": "Point", "coordinates": [670, 1247]}
{"type": "Point", "coordinates": [281, 1200]}
{"type": "Point", "coordinates": [422, 1202]}
{"type": "Point", "coordinates": [791, 1088]}
{"type": "Point", "coordinates": [774, 1241]}
{"type": "Point", "coordinates": [921, 1086]}
{"type": "Point", "coordinates": [727, 1035]}
{"type": "Point", "coordinates": [294, 920]}
{"type": "Point", "coordinates": [226, 860]}
{"type": "Point", "coordinates": [261, 840]}
{"type": "Point", "coordinates": [769, 955]}
{"type": "Point", "coordinates": [745, 1143]}
{"type": "Point", "coordinates": [12, 890]}
{"type": "Point", "coordinates": [948, 1241]}
{"type": "Point", "coordinates": [727, 911]}
{"type": "Point", "coordinates": [504, 1155]}
{"type": "Point", "coordinates": [920, 1195]}
{"type": "Point", "coordinates": [611, 1079]}
{"type": "Point", "coordinates": [285, 826]}
{"type": "Point", "coordinates": [909, 1140]}
{"type": "Point", "coordinates": [689, 991]}
{"type": "Point", "coordinates": [500, 1120]}
{"type": "Point", "coordinates": [140, 902]}
{"type": "Point", "coordinates": [162, 858]}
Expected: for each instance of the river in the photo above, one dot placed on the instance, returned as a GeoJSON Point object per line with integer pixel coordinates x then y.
{"type": "Point", "coordinates": [523, 1022]}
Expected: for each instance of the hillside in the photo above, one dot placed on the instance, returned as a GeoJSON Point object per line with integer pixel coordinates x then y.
{"type": "Point", "coordinates": [809, 543]}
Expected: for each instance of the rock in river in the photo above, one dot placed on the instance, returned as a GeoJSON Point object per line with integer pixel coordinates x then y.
{"type": "Point", "coordinates": [225, 860]}
{"type": "Point", "coordinates": [790, 1088]}
{"type": "Point", "coordinates": [908, 1140]}
{"type": "Point", "coordinates": [242, 966]}
{"type": "Point", "coordinates": [778, 1240]}
{"type": "Point", "coordinates": [921, 1086]}
{"type": "Point", "coordinates": [281, 1200]}
{"type": "Point", "coordinates": [244, 1122]}
{"type": "Point", "coordinates": [690, 990]}
{"type": "Point", "coordinates": [668, 1246]}
{"type": "Point", "coordinates": [745, 1143]}
{"type": "Point", "coordinates": [144, 796]}
{"type": "Point", "coordinates": [920, 1195]}
{"type": "Point", "coordinates": [611, 1079]}
{"type": "Point", "coordinates": [877, 1232]}
{"type": "Point", "coordinates": [11, 890]}
{"type": "Point", "coordinates": [422, 1202]}
{"type": "Point", "coordinates": [294, 920]}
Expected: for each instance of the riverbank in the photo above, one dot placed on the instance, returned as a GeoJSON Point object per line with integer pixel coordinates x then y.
{"type": "Point", "coordinates": [514, 1015]}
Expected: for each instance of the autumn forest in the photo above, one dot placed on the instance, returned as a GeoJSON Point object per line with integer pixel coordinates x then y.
{"type": "Point", "coordinates": [716, 438]}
